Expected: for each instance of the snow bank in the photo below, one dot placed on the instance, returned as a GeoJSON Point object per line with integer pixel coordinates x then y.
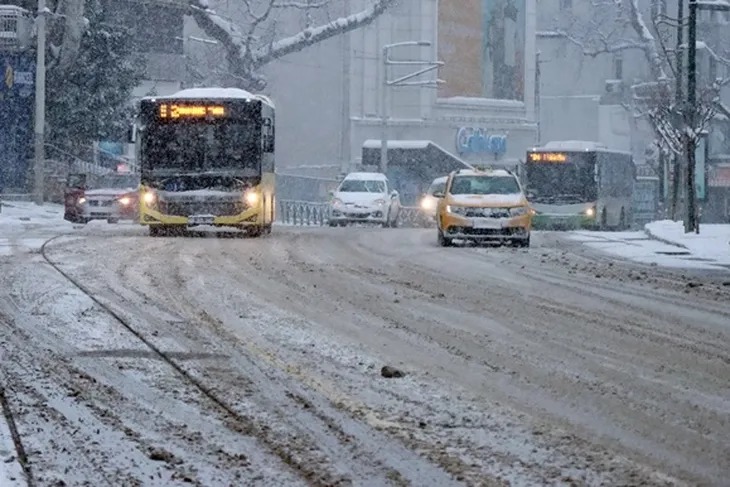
{"type": "Point", "coordinates": [22, 213]}
{"type": "Point", "coordinates": [713, 241]}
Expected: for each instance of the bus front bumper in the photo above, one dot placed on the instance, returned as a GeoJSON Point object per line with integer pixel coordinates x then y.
{"type": "Point", "coordinates": [563, 222]}
{"type": "Point", "coordinates": [250, 217]}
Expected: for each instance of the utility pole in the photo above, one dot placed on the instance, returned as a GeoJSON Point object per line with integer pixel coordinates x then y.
{"type": "Point", "coordinates": [402, 81]}
{"type": "Point", "coordinates": [40, 106]}
{"type": "Point", "coordinates": [537, 96]}
{"type": "Point", "coordinates": [690, 221]}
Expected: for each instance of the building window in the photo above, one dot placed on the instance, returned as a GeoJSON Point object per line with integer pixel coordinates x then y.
{"type": "Point", "coordinates": [618, 67]}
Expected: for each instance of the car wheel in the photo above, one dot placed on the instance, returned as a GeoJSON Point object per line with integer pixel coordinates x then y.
{"type": "Point", "coordinates": [444, 241]}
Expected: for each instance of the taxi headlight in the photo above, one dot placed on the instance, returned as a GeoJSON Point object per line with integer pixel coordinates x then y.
{"type": "Point", "coordinates": [149, 198]}
{"type": "Point", "coordinates": [428, 204]}
{"type": "Point", "coordinates": [251, 198]}
{"type": "Point", "coordinates": [520, 210]}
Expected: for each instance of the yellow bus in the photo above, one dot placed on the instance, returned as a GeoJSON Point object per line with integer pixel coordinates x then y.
{"type": "Point", "coordinates": [206, 159]}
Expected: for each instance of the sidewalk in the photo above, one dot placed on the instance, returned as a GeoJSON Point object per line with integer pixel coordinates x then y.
{"type": "Point", "coordinates": [711, 244]}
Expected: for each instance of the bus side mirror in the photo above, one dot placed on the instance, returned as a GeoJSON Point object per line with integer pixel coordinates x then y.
{"type": "Point", "coordinates": [132, 134]}
{"type": "Point", "coordinates": [268, 134]}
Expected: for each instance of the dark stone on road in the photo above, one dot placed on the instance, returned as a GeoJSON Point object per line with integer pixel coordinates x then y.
{"type": "Point", "coordinates": [391, 372]}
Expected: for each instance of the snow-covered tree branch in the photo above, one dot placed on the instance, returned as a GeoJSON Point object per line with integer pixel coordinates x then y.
{"type": "Point", "coordinates": [252, 44]}
{"type": "Point", "coordinates": [658, 98]}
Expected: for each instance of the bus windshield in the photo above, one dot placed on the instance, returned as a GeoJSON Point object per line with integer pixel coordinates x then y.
{"type": "Point", "coordinates": [203, 147]}
{"type": "Point", "coordinates": [569, 182]}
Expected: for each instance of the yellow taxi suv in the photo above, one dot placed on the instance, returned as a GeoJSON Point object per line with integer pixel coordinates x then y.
{"type": "Point", "coordinates": [483, 206]}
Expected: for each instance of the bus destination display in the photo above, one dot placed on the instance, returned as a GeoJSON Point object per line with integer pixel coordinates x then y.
{"type": "Point", "coordinates": [177, 111]}
{"type": "Point", "coordinates": [549, 157]}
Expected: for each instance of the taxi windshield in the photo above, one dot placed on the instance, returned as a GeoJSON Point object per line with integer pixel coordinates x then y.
{"type": "Point", "coordinates": [484, 185]}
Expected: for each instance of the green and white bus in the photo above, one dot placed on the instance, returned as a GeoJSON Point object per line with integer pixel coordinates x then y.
{"type": "Point", "coordinates": [577, 184]}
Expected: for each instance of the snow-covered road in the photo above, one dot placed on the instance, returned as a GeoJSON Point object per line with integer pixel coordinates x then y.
{"type": "Point", "coordinates": [523, 366]}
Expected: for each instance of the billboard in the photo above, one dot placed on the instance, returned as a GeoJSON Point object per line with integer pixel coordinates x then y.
{"type": "Point", "coordinates": [17, 95]}
{"type": "Point", "coordinates": [482, 43]}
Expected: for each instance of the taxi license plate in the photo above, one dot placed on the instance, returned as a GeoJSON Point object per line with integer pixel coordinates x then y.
{"type": "Point", "coordinates": [493, 223]}
{"type": "Point", "coordinates": [201, 220]}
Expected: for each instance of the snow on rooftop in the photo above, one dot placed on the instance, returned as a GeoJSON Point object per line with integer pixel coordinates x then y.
{"type": "Point", "coordinates": [485, 172]}
{"type": "Point", "coordinates": [397, 144]}
{"type": "Point", "coordinates": [585, 145]}
{"type": "Point", "coordinates": [367, 176]}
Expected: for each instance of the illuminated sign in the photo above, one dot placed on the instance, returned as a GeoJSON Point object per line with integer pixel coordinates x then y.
{"type": "Point", "coordinates": [548, 157]}
{"type": "Point", "coordinates": [175, 111]}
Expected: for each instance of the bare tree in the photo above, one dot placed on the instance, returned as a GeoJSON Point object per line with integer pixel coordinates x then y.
{"type": "Point", "coordinates": [620, 25]}
{"type": "Point", "coordinates": [249, 44]}
{"type": "Point", "coordinates": [255, 41]}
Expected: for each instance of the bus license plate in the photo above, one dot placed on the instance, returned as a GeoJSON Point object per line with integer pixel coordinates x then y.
{"type": "Point", "coordinates": [487, 223]}
{"type": "Point", "coordinates": [201, 220]}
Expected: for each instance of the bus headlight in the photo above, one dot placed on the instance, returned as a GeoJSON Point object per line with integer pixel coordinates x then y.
{"type": "Point", "coordinates": [251, 198]}
{"type": "Point", "coordinates": [591, 212]}
{"type": "Point", "coordinates": [149, 198]}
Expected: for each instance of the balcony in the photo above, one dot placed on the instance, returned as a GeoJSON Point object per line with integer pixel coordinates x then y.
{"type": "Point", "coordinates": [15, 28]}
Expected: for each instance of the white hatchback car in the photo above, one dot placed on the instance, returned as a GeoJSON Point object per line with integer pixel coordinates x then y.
{"type": "Point", "coordinates": [364, 197]}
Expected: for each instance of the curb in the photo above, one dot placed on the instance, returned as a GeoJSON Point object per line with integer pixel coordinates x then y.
{"type": "Point", "coordinates": [663, 240]}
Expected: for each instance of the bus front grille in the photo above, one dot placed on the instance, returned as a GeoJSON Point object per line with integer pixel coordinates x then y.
{"type": "Point", "coordinates": [188, 208]}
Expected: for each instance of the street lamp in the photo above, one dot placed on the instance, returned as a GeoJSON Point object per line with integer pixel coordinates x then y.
{"type": "Point", "coordinates": [40, 105]}
{"type": "Point", "coordinates": [712, 5]}
{"type": "Point", "coordinates": [402, 81]}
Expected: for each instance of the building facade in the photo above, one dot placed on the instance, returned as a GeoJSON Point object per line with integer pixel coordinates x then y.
{"type": "Point", "coordinates": [329, 97]}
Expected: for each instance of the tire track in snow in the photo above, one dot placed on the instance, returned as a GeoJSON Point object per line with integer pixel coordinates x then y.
{"type": "Point", "coordinates": [299, 456]}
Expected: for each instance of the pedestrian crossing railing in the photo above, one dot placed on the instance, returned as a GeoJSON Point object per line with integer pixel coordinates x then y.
{"type": "Point", "coordinates": [308, 213]}
{"type": "Point", "coordinates": [305, 213]}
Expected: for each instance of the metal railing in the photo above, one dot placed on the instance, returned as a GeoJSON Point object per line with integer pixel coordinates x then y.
{"type": "Point", "coordinates": [305, 213]}
{"type": "Point", "coordinates": [309, 213]}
